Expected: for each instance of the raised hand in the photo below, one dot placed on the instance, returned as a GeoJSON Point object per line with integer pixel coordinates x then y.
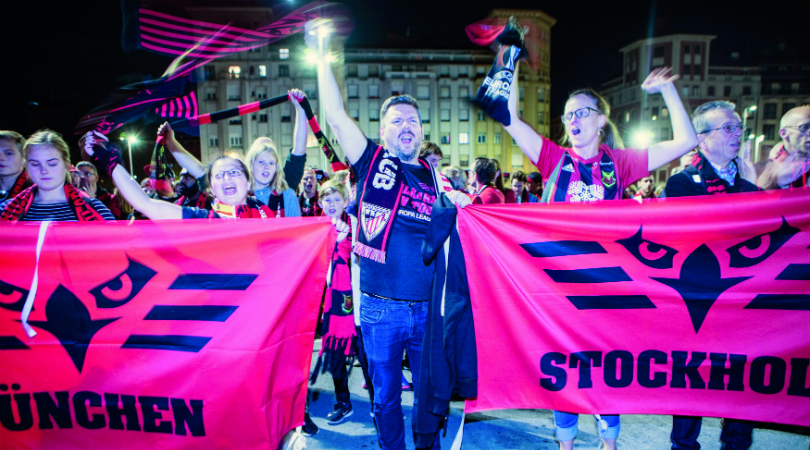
{"type": "Point", "coordinates": [657, 79]}
{"type": "Point", "coordinates": [296, 97]}
{"type": "Point", "coordinates": [342, 229]}
{"type": "Point", "coordinates": [89, 139]}
{"type": "Point", "coordinates": [744, 164]}
{"type": "Point", "coordinates": [166, 132]}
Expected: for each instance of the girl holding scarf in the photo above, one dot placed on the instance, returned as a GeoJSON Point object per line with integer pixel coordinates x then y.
{"type": "Point", "coordinates": [270, 184]}
{"type": "Point", "coordinates": [52, 197]}
{"type": "Point", "coordinates": [596, 168]}
{"type": "Point", "coordinates": [228, 177]}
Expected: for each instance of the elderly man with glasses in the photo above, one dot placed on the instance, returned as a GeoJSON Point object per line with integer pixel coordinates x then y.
{"type": "Point", "coordinates": [791, 166]}
{"type": "Point", "coordinates": [714, 169]}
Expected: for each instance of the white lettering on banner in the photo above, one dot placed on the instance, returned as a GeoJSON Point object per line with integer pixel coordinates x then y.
{"type": "Point", "coordinates": [384, 179]}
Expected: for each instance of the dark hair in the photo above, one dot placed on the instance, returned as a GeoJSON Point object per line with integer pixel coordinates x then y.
{"type": "Point", "coordinates": [610, 135]}
{"type": "Point", "coordinates": [241, 163]}
{"type": "Point", "coordinates": [520, 176]}
{"type": "Point", "coordinates": [536, 177]}
{"type": "Point", "coordinates": [498, 177]}
{"type": "Point", "coordinates": [485, 170]}
{"type": "Point", "coordinates": [399, 100]}
{"type": "Point", "coordinates": [430, 148]}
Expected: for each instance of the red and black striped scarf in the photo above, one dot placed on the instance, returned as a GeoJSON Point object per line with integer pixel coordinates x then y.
{"type": "Point", "coordinates": [78, 201]}
{"type": "Point", "coordinates": [23, 182]}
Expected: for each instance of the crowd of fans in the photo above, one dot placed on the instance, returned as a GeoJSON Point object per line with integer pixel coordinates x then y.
{"type": "Point", "coordinates": [38, 183]}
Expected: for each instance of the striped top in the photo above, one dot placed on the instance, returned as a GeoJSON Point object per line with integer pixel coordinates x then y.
{"type": "Point", "coordinates": [62, 212]}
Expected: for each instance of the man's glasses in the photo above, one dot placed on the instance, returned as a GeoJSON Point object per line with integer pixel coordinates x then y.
{"type": "Point", "coordinates": [730, 129]}
{"type": "Point", "coordinates": [235, 173]}
{"type": "Point", "coordinates": [802, 128]}
{"type": "Point", "coordinates": [581, 113]}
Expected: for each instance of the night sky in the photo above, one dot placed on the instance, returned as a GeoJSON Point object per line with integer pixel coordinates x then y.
{"type": "Point", "coordinates": [67, 56]}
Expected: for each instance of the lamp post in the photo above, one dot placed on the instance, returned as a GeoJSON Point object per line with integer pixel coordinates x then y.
{"type": "Point", "coordinates": [323, 33]}
{"type": "Point", "coordinates": [759, 140]}
{"type": "Point", "coordinates": [130, 140]}
{"type": "Point", "coordinates": [751, 108]}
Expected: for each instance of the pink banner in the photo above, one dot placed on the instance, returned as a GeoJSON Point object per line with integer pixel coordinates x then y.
{"type": "Point", "coordinates": [693, 306]}
{"type": "Point", "coordinates": [171, 335]}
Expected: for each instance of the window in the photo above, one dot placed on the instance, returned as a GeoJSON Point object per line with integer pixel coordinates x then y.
{"type": "Point", "coordinates": [233, 93]}
{"type": "Point", "coordinates": [463, 92]}
{"type": "Point", "coordinates": [541, 117]}
{"type": "Point", "coordinates": [541, 95]}
{"type": "Point", "coordinates": [685, 91]}
{"type": "Point", "coordinates": [481, 116]}
{"type": "Point", "coordinates": [283, 53]}
{"type": "Point", "coordinates": [769, 131]}
{"type": "Point", "coordinates": [211, 95]}
{"type": "Point", "coordinates": [444, 92]}
{"type": "Point", "coordinates": [374, 70]}
{"type": "Point", "coordinates": [235, 122]}
{"type": "Point", "coordinates": [262, 71]}
{"type": "Point", "coordinates": [253, 117]}
{"type": "Point", "coordinates": [374, 113]}
{"type": "Point", "coordinates": [687, 69]}
{"type": "Point", "coordinates": [664, 112]}
{"type": "Point", "coordinates": [354, 113]}
{"type": "Point", "coordinates": [351, 71]}
{"type": "Point", "coordinates": [464, 115]}
{"type": "Point", "coordinates": [236, 141]}
{"type": "Point", "coordinates": [697, 69]}
{"type": "Point", "coordinates": [425, 117]}
{"type": "Point", "coordinates": [252, 70]}
{"type": "Point", "coordinates": [654, 113]}
{"type": "Point", "coordinates": [520, 113]}
{"type": "Point", "coordinates": [374, 90]}
{"type": "Point", "coordinates": [427, 137]}
{"type": "Point", "coordinates": [663, 134]}
{"type": "Point", "coordinates": [726, 91]}
{"type": "Point", "coordinates": [396, 68]}
{"type": "Point", "coordinates": [446, 139]}
{"type": "Point", "coordinates": [711, 91]}
{"type": "Point", "coordinates": [263, 118]}
{"type": "Point", "coordinates": [697, 49]}
{"type": "Point", "coordinates": [787, 107]}
{"type": "Point", "coordinates": [283, 70]}
{"type": "Point", "coordinates": [423, 92]}
{"type": "Point", "coordinates": [285, 118]}
{"type": "Point", "coordinates": [444, 71]}
{"type": "Point", "coordinates": [234, 71]}
{"type": "Point", "coordinates": [311, 92]}
{"type": "Point", "coordinates": [213, 141]}
{"type": "Point", "coordinates": [746, 90]}
{"type": "Point", "coordinates": [497, 139]}
{"type": "Point", "coordinates": [521, 93]}
{"type": "Point", "coordinates": [658, 52]}
{"type": "Point", "coordinates": [770, 111]}
{"type": "Point", "coordinates": [482, 138]}
{"type": "Point", "coordinates": [352, 91]}
{"type": "Point", "coordinates": [696, 91]}
{"type": "Point", "coordinates": [462, 71]}
{"type": "Point", "coordinates": [687, 49]}
{"type": "Point", "coordinates": [480, 70]}
{"type": "Point", "coordinates": [444, 115]}
{"type": "Point", "coordinates": [463, 138]}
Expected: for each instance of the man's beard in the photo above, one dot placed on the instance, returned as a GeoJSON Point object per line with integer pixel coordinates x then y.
{"type": "Point", "coordinates": [404, 153]}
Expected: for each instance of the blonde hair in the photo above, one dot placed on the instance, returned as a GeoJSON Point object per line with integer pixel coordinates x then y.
{"type": "Point", "coordinates": [259, 146]}
{"type": "Point", "coordinates": [333, 186]}
{"type": "Point", "coordinates": [340, 176]}
{"type": "Point", "coordinates": [51, 139]}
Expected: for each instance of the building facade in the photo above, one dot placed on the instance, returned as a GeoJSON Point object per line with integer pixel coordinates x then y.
{"type": "Point", "coordinates": [784, 87]}
{"type": "Point", "coordinates": [442, 81]}
{"type": "Point", "coordinates": [644, 119]}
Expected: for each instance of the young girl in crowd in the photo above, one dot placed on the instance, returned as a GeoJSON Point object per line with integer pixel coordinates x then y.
{"type": "Point", "coordinates": [595, 168]}
{"type": "Point", "coordinates": [52, 197]}
{"type": "Point", "coordinates": [269, 184]}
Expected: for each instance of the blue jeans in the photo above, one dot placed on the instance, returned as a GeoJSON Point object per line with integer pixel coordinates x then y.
{"type": "Point", "coordinates": [736, 434]}
{"type": "Point", "coordinates": [566, 427]}
{"type": "Point", "coordinates": [389, 327]}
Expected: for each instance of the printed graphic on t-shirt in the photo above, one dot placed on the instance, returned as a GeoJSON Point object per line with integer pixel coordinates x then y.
{"type": "Point", "coordinates": [581, 192]}
{"type": "Point", "coordinates": [417, 202]}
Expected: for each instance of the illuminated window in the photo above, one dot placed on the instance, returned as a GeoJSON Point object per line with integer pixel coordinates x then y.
{"type": "Point", "coordinates": [446, 139]}
{"type": "Point", "coordinates": [262, 71]}
{"type": "Point", "coordinates": [234, 71]}
{"type": "Point", "coordinates": [283, 53]}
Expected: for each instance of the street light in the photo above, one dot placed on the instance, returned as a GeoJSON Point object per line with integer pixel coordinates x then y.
{"type": "Point", "coordinates": [130, 140]}
{"type": "Point", "coordinates": [760, 138]}
{"type": "Point", "coordinates": [751, 108]}
{"type": "Point", "coordinates": [642, 138]}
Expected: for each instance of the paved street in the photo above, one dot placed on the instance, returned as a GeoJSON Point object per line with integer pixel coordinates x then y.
{"type": "Point", "coordinates": [513, 429]}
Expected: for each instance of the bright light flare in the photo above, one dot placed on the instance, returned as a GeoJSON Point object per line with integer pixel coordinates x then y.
{"type": "Point", "coordinates": [642, 138]}
{"type": "Point", "coordinates": [132, 139]}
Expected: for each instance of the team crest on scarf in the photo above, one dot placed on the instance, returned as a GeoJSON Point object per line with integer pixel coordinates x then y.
{"type": "Point", "coordinates": [374, 220]}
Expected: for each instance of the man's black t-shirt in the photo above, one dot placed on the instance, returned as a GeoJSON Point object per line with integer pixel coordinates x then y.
{"type": "Point", "coordinates": [404, 276]}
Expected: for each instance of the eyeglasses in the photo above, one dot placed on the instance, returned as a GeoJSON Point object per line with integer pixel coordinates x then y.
{"type": "Point", "coordinates": [235, 173]}
{"type": "Point", "coordinates": [804, 128]}
{"type": "Point", "coordinates": [581, 114]}
{"type": "Point", "coordinates": [730, 129]}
